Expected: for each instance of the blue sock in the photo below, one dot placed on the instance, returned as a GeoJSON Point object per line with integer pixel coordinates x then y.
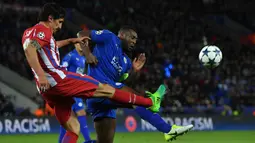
{"type": "Point", "coordinates": [153, 119]}
{"type": "Point", "coordinates": [61, 134]}
{"type": "Point", "coordinates": [84, 127]}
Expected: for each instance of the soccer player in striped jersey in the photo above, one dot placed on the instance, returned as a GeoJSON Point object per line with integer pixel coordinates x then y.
{"type": "Point", "coordinates": [58, 86]}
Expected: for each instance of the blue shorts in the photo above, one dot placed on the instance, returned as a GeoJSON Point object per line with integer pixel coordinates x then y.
{"type": "Point", "coordinates": [78, 105]}
{"type": "Point", "coordinates": [103, 107]}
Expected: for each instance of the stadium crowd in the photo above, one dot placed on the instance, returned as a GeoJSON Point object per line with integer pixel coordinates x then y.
{"type": "Point", "coordinates": [6, 107]}
{"type": "Point", "coordinates": [171, 39]}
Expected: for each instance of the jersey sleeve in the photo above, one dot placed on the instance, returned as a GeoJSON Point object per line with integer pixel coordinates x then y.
{"type": "Point", "coordinates": [100, 36]}
{"type": "Point", "coordinates": [66, 62]}
{"type": "Point", "coordinates": [41, 35]}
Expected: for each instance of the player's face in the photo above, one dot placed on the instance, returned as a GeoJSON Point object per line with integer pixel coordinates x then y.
{"type": "Point", "coordinates": [78, 47]}
{"type": "Point", "coordinates": [131, 38]}
{"type": "Point", "coordinates": [57, 24]}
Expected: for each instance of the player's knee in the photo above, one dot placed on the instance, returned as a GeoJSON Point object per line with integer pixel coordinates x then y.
{"type": "Point", "coordinates": [104, 90]}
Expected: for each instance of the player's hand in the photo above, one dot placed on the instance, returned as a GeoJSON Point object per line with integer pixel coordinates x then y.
{"type": "Point", "coordinates": [139, 62]}
{"type": "Point", "coordinates": [43, 84]}
{"type": "Point", "coordinates": [91, 59]}
{"type": "Point", "coordinates": [82, 40]}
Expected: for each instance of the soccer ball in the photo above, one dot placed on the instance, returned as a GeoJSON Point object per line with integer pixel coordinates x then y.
{"type": "Point", "coordinates": [210, 56]}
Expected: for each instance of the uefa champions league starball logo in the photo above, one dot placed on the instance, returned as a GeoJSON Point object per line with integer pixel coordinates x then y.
{"type": "Point", "coordinates": [41, 35]}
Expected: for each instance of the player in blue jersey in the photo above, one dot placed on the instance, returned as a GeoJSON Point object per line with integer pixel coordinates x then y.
{"type": "Point", "coordinates": [75, 62]}
{"type": "Point", "coordinates": [111, 51]}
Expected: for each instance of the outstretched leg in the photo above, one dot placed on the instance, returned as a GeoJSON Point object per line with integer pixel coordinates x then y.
{"type": "Point", "coordinates": [154, 119]}
{"type": "Point", "coordinates": [84, 86]}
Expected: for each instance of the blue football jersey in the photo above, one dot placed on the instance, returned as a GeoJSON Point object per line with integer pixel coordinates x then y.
{"type": "Point", "coordinates": [112, 61]}
{"type": "Point", "coordinates": [74, 62]}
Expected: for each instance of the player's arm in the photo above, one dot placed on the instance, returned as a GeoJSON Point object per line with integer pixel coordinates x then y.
{"type": "Point", "coordinates": [128, 78]}
{"type": "Point", "coordinates": [137, 65]}
{"type": "Point", "coordinates": [98, 37]}
{"type": "Point", "coordinates": [30, 48]}
{"type": "Point", "coordinates": [66, 42]}
{"type": "Point", "coordinates": [31, 55]}
{"type": "Point", "coordinates": [90, 58]}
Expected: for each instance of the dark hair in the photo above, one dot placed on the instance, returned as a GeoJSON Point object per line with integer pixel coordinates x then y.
{"type": "Point", "coordinates": [127, 28]}
{"type": "Point", "coordinates": [56, 11]}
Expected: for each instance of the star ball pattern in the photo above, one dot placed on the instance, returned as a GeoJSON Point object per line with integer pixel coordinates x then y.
{"type": "Point", "coordinates": [210, 56]}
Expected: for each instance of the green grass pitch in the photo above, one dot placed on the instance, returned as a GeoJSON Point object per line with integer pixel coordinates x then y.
{"type": "Point", "coordinates": [153, 137]}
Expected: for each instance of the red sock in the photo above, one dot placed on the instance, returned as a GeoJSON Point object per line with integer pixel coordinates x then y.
{"type": "Point", "coordinates": [70, 137]}
{"type": "Point", "coordinates": [131, 98]}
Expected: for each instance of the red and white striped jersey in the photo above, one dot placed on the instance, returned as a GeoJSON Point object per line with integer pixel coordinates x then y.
{"type": "Point", "coordinates": [48, 55]}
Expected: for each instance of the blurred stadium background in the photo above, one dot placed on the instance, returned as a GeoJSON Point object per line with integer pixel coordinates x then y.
{"type": "Point", "coordinates": [220, 103]}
